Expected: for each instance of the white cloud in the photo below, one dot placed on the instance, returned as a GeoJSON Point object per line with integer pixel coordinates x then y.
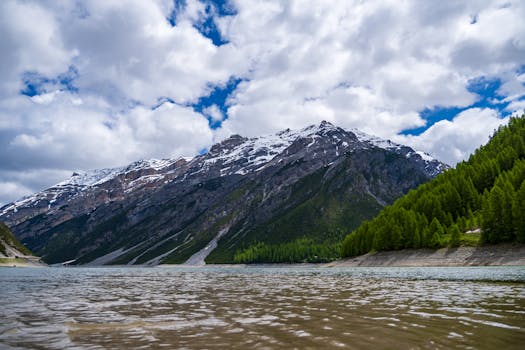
{"type": "Point", "coordinates": [12, 190]}
{"type": "Point", "coordinates": [30, 40]}
{"type": "Point", "coordinates": [214, 113]}
{"type": "Point", "coordinates": [15, 184]}
{"type": "Point", "coordinates": [373, 65]}
{"type": "Point", "coordinates": [132, 49]}
{"type": "Point", "coordinates": [453, 141]}
{"type": "Point", "coordinates": [62, 136]}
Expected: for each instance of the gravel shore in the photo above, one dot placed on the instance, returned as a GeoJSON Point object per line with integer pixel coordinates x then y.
{"type": "Point", "coordinates": [496, 255]}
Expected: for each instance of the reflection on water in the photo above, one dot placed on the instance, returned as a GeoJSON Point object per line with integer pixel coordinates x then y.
{"type": "Point", "coordinates": [262, 308]}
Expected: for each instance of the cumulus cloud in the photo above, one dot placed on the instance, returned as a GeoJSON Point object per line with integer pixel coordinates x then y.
{"type": "Point", "coordinates": [61, 136]}
{"type": "Point", "coordinates": [30, 40]}
{"type": "Point", "coordinates": [453, 141]}
{"type": "Point", "coordinates": [64, 133]}
{"type": "Point", "coordinates": [371, 65]}
{"type": "Point", "coordinates": [214, 113]}
{"type": "Point", "coordinates": [110, 82]}
{"type": "Point", "coordinates": [129, 50]}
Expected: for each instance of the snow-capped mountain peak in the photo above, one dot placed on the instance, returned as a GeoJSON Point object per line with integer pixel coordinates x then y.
{"type": "Point", "coordinates": [139, 173]}
{"type": "Point", "coordinates": [98, 176]}
{"type": "Point", "coordinates": [235, 155]}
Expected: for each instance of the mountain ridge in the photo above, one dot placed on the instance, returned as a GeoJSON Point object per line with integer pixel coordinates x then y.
{"type": "Point", "coordinates": [204, 195]}
{"type": "Point", "coordinates": [98, 176]}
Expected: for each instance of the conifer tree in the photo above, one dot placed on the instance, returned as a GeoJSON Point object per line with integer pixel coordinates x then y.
{"type": "Point", "coordinates": [436, 231]}
{"type": "Point", "coordinates": [454, 235]}
{"type": "Point", "coordinates": [416, 243]}
{"type": "Point", "coordinates": [518, 213]}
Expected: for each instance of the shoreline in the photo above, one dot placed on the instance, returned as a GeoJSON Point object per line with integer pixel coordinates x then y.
{"type": "Point", "coordinates": [21, 262]}
{"type": "Point", "coordinates": [491, 255]}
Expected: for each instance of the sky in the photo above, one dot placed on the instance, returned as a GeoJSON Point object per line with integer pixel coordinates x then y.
{"type": "Point", "coordinates": [94, 84]}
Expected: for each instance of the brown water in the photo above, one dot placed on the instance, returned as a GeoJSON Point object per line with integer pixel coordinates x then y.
{"type": "Point", "coordinates": [262, 308]}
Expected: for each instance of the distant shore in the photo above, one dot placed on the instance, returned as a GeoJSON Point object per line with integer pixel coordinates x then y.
{"type": "Point", "coordinates": [21, 262]}
{"type": "Point", "coordinates": [494, 255]}
{"type": "Point", "coordinates": [490, 255]}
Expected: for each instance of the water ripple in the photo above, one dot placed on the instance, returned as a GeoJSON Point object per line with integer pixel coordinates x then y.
{"type": "Point", "coordinates": [262, 308]}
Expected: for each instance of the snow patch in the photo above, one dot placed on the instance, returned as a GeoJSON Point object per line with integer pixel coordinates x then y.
{"type": "Point", "coordinates": [257, 151]}
{"type": "Point", "coordinates": [425, 156]}
{"type": "Point", "coordinates": [374, 140]}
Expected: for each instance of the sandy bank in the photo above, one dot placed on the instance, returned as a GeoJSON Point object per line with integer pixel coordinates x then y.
{"type": "Point", "coordinates": [497, 255]}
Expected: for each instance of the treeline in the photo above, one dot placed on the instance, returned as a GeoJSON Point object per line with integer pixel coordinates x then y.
{"type": "Point", "coordinates": [303, 250]}
{"type": "Point", "coordinates": [487, 192]}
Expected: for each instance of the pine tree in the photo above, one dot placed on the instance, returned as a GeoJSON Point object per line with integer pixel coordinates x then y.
{"type": "Point", "coordinates": [396, 236]}
{"type": "Point", "coordinates": [454, 235]}
{"type": "Point", "coordinates": [492, 218]}
{"type": "Point", "coordinates": [416, 243]}
{"type": "Point", "coordinates": [436, 231]}
{"type": "Point", "coordinates": [518, 213]}
{"type": "Point", "coordinates": [507, 218]}
{"type": "Point", "coordinates": [435, 241]}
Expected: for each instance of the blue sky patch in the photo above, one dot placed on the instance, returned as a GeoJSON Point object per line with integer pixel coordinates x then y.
{"type": "Point", "coordinates": [178, 6]}
{"type": "Point", "coordinates": [486, 89]}
{"type": "Point", "coordinates": [66, 79]}
{"type": "Point", "coordinates": [218, 96]}
{"type": "Point", "coordinates": [33, 84]}
{"type": "Point", "coordinates": [209, 29]}
{"type": "Point", "coordinates": [224, 8]}
{"type": "Point", "coordinates": [36, 84]}
{"type": "Point", "coordinates": [206, 25]}
{"type": "Point", "coordinates": [162, 100]}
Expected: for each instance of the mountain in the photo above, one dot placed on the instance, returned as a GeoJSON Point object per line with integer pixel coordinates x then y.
{"type": "Point", "coordinates": [310, 183]}
{"type": "Point", "coordinates": [480, 201]}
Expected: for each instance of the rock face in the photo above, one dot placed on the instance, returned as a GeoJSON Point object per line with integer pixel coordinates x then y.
{"type": "Point", "coordinates": [273, 188]}
{"type": "Point", "coordinates": [10, 247]}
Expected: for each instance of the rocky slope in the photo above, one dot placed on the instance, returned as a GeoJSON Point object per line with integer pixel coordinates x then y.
{"type": "Point", "coordinates": [273, 188]}
{"type": "Point", "coordinates": [12, 252]}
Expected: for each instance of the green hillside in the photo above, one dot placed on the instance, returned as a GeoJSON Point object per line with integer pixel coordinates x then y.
{"type": "Point", "coordinates": [481, 201]}
{"type": "Point", "coordinates": [6, 237]}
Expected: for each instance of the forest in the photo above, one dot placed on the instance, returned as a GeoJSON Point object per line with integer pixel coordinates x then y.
{"type": "Point", "coordinates": [300, 250]}
{"type": "Point", "coordinates": [481, 201]}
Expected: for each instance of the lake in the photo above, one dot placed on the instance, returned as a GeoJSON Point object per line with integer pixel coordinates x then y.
{"type": "Point", "coordinates": [262, 308]}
